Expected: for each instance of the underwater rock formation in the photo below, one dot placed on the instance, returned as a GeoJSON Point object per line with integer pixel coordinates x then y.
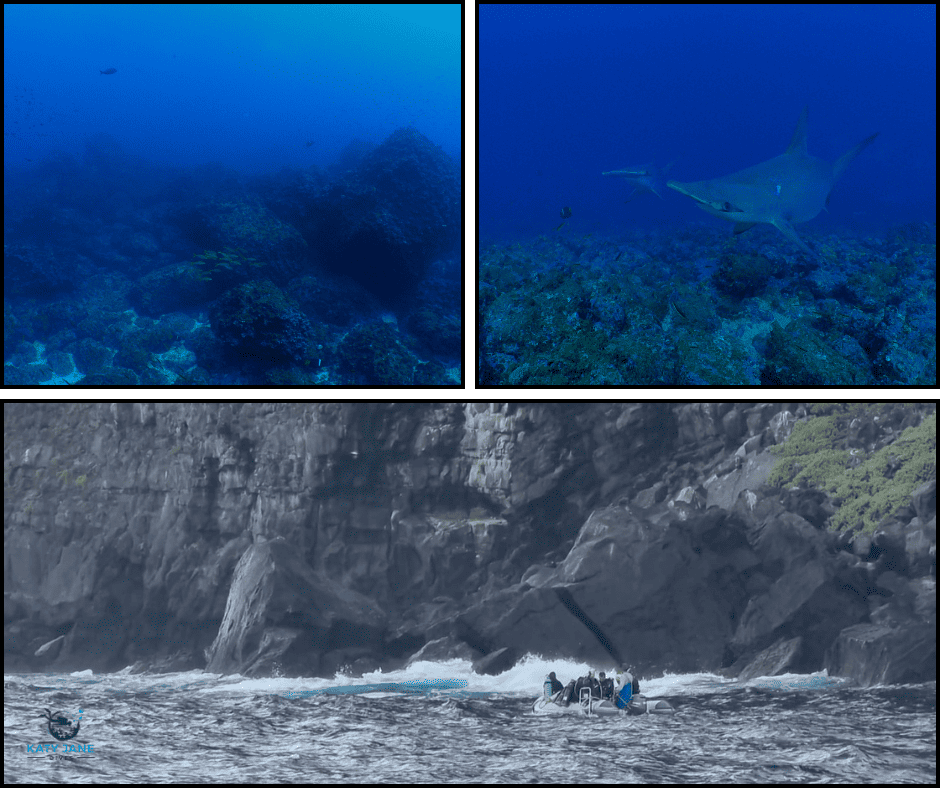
{"type": "Point", "coordinates": [384, 222]}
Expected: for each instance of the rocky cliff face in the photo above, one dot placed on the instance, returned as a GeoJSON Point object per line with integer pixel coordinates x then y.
{"type": "Point", "coordinates": [303, 538]}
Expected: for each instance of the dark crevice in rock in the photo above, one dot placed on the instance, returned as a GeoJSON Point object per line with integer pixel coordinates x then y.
{"type": "Point", "coordinates": [567, 600]}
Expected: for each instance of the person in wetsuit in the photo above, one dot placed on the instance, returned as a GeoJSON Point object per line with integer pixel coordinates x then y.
{"type": "Point", "coordinates": [568, 695]}
{"type": "Point", "coordinates": [626, 686]}
{"type": "Point", "coordinates": [603, 688]}
{"type": "Point", "coordinates": [595, 685]}
{"type": "Point", "coordinates": [573, 690]}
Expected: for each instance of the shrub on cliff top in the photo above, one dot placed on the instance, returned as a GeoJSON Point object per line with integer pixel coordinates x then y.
{"type": "Point", "coordinates": [884, 482]}
{"type": "Point", "coordinates": [819, 454]}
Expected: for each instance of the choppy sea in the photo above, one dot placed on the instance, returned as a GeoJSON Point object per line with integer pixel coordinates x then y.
{"type": "Point", "coordinates": [202, 728]}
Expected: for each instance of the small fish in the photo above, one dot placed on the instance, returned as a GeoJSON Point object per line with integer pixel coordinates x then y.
{"type": "Point", "coordinates": [560, 226]}
{"type": "Point", "coordinates": [566, 212]}
{"type": "Point", "coordinates": [309, 143]}
{"type": "Point", "coordinates": [618, 257]}
{"type": "Point", "coordinates": [109, 71]}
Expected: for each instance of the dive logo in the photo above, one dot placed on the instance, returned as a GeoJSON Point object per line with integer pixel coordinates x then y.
{"type": "Point", "coordinates": [61, 727]}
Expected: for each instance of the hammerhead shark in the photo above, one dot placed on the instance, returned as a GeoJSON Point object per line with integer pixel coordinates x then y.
{"type": "Point", "coordinates": [785, 190]}
{"type": "Point", "coordinates": [645, 178]}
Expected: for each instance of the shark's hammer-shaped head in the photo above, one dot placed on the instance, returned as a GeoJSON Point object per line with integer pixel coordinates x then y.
{"type": "Point", "coordinates": [786, 190]}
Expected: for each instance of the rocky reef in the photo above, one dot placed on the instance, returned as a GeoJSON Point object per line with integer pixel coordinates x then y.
{"type": "Point", "coordinates": [642, 308]}
{"type": "Point", "coordinates": [301, 539]}
{"type": "Point", "coordinates": [303, 277]}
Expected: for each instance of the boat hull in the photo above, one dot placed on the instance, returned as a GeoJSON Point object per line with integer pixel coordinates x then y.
{"type": "Point", "coordinates": [602, 708]}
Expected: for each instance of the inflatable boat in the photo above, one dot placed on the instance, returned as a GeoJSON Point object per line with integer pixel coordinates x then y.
{"type": "Point", "coordinates": [592, 706]}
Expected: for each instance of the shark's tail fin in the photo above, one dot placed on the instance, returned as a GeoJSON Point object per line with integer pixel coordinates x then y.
{"type": "Point", "coordinates": [839, 167]}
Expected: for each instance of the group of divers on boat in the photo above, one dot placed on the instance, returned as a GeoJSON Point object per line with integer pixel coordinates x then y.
{"type": "Point", "coordinates": [590, 694]}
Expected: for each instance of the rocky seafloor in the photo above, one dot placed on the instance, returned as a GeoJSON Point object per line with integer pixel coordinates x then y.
{"type": "Point", "coordinates": [702, 307]}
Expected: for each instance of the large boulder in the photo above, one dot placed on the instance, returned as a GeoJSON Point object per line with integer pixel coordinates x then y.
{"type": "Point", "coordinates": [781, 657]}
{"type": "Point", "coordinates": [530, 620]}
{"type": "Point", "coordinates": [283, 615]}
{"type": "Point", "coordinates": [801, 590]}
{"type": "Point", "coordinates": [899, 642]}
{"type": "Point", "coordinates": [443, 649]}
{"type": "Point", "coordinates": [496, 662]}
{"type": "Point", "coordinates": [385, 222]}
{"type": "Point", "coordinates": [623, 594]}
{"type": "Point", "coordinates": [261, 325]}
{"type": "Point", "coordinates": [748, 474]}
{"type": "Point", "coordinates": [876, 654]}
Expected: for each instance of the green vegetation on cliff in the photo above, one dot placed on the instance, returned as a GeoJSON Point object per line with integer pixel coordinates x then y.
{"type": "Point", "coordinates": [823, 452]}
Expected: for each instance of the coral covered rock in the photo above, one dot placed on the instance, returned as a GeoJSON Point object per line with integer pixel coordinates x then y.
{"type": "Point", "coordinates": [385, 222]}
{"type": "Point", "coordinates": [260, 324]}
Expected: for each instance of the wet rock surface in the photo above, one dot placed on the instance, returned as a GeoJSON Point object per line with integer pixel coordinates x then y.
{"type": "Point", "coordinates": [301, 539]}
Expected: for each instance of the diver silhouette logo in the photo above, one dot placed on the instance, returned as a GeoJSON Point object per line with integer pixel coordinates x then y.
{"type": "Point", "coordinates": [61, 727]}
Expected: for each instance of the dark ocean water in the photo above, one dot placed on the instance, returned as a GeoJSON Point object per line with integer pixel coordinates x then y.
{"type": "Point", "coordinates": [197, 727]}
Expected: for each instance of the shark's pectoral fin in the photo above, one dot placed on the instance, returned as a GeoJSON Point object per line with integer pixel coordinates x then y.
{"type": "Point", "coordinates": [741, 227]}
{"type": "Point", "coordinates": [705, 199]}
{"type": "Point", "coordinates": [787, 229]}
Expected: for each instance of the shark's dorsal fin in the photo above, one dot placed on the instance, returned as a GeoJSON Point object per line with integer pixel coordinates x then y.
{"type": "Point", "coordinates": [798, 141]}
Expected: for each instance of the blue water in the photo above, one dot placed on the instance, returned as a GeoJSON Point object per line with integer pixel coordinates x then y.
{"type": "Point", "coordinates": [198, 727]}
{"type": "Point", "coordinates": [582, 285]}
{"type": "Point", "coordinates": [244, 86]}
{"type": "Point", "coordinates": [567, 92]}
{"type": "Point", "coordinates": [138, 139]}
